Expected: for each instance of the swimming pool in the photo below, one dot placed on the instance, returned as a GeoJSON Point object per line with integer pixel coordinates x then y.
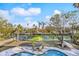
{"type": "Point", "coordinates": [23, 54]}
{"type": "Point", "coordinates": [47, 53]}
{"type": "Point", "coordinates": [53, 53]}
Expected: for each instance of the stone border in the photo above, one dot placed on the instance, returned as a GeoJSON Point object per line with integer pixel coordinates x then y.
{"type": "Point", "coordinates": [15, 50]}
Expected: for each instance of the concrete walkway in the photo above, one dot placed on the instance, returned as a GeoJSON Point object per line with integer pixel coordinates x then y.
{"type": "Point", "coordinates": [71, 47]}
{"type": "Point", "coordinates": [6, 41]}
{"type": "Point", "coordinates": [10, 51]}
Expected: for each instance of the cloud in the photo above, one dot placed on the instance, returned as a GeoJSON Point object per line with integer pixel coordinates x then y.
{"type": "Point", "coordinates": [18, 11]}
{"type": "Point", "coordinates": [4, 13]}
{"type": "Point", "coordinates": [24, 12]}
{"type": "Point", "coordinates": [48, 17]}
{"type": "Point", "coordinates": [57, 12]}
{"type": "Point", "coordinates": [34, 11]}
{"type": "Point", "coordinates": [30, 22]}
{"type": "Point", "coordinates": [27, 20]}
{"type": "Point", "coordinates": [11, 15]}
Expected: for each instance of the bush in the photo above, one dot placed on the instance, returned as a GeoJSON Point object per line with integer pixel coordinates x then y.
{"type": "Point", "coordinates": [76, 38]}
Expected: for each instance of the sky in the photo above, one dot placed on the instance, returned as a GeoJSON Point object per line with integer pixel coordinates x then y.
{"type": "Point", "coordinates": [32, 13]}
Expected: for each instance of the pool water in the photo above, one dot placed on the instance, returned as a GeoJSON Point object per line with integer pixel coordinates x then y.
{"type": "Point", "coordinates": [53, 53]}
{"type": "Point", "coordinates": [23, 54]}
{"type": "Point", "coordinates": [47, 53]}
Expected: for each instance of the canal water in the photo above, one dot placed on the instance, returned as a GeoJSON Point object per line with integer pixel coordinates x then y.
{"type": "Point", "coordinates": [45, 37]}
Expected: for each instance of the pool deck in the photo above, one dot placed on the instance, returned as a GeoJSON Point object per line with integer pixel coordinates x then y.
{"type": "Point", "coordinates": [15, 50]}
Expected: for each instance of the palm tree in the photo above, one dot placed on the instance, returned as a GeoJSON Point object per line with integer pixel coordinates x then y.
{"type": "Point", "coordinates": [6, 28]}
{"type": "Point", "coordinates": [39, 23]}
{"type": "Point", "coordinates": [34, 29]}
{"type": "Point", "coordinates": [57, 23]}
{"type": "Point", "coordinates": [76, 5]}
{"type": "Point", "coordinates": [34, 25]}
{"type": "Point", "coordinates": [19, 29]}
{"type": "Point", "coordinates": [43, 24]}
{"type": "Point", "coordinates": [73, 25]}
{"type": "Point", "coordinates": [27, 24]}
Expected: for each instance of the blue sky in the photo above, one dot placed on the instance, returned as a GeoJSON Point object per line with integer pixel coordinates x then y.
{"type": "Point", "coordinates": [31, 13]}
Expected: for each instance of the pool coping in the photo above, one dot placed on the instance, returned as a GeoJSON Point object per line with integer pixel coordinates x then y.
{"type": "Point", "coordinates": [12, 51]}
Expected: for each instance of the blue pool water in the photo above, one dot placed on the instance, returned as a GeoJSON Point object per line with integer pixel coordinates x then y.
{"type": "Point", "coordinates": [53, 53]}
{"type": "Point", "coordinates": [23, 54]}
{"type": "Point", "coordinates": [47, 53]}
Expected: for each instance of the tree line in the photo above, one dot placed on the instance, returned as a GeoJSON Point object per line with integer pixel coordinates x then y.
{"type": "Point", "coordinates": [64, 23]}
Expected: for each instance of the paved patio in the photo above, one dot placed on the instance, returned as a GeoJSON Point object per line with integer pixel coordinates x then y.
{"type": "Point", "coordinates": [15, 50]}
